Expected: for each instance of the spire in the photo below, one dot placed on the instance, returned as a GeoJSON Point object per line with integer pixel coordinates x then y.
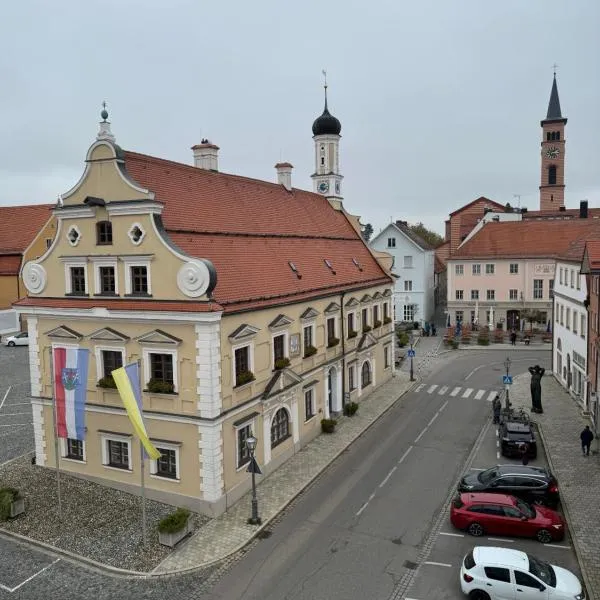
{"type": "Point", "coordinates": [326, 123]}
{"type": "Point", "coordinates": [105, 133]}
{"type": "Point", "coordinates": [554, 112]}
{"type": "Point", "coordinates": [325, 110]}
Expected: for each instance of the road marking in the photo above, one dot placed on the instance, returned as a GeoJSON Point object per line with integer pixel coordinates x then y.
{"type": "Point", "coordinates": [11, 590]}
{"type": "Point", "coordinates": [361, 509]}
{"type": "Point", "coordinates": [557, 546]}
{"type": "Point", "coordinates": [500, 540]}
{"type": "Point", "coordinates": [452, 534]}
{"type": "Point", "coordinates": [371, 497]}
{"type": "Point", "coordinates": [431, 388]}
{"type": "Point", "coordinates": [420, 387]}
{"type": "Point", "coordinates": [421, 435]}
{"type": "Point", "coordinates": [387, 477]}
{"type": "Point", "coordinates": [497, 455]}
{"type": "Point", "coordinates": [455, 391]}
{"type": "Point", "coordinates": [436, 564]}
{"type": "Point", "coordinates": [479, 394]}
{"type": "Point", "coordinates": [5, 395]}
{"type": "Point", "coordinates": [491, 396]}
{"type": "Point", "coordinates": [437, 414]}
{"type": "Point", "coordinates": [474, 469]}
{"type": "Point", "coordinates": [405, 455]}
{"type": "Point", "coordinates": [475, 371]}
{"type": "Point", "coordinates": [497, 443]}
{"type": "Point", "coordinates": [443, 390]}
{"type": "Point", "coordinates": [467, 393]}
{"type": "Point", "coordinates": [443, 406]}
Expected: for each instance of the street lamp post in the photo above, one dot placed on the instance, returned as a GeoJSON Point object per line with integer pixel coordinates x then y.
{"type": "Point", "coordinates": [507, 367]}
{"type": "Point", "coordinates": [412, 374]}
{"type": "Point", "coordinates": [253, 468]}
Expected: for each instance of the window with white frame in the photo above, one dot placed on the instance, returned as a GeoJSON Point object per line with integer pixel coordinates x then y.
{"type": "Point", "coordinates": [309, 404]}
{"type": "Point", "coordinates": [376, 318]}
{"type": "Point", "coordinates": [366, 375]}
{"type": "Point", "coordinates": [105, 277]}
{"type": "Point", "coordinates": [280, 427]}
{"type": "Point", "coordinates": [107, 360]}
{"type": "Point", "coordinates": [489, 269]}
{"type": "Point", "coordinates": [459, 269]}
{"type": "Point", "coordinates": [568, 318]}
{"type": "Point", "coordinates": [386, 357]}
{"type": "Point", "coordinates": [582, 327]}
{"type": "Point", "coordinates": [538, 289]}
{"type": "Point", "coordinates": [352, 377]}
{"type": "Point", "coordinates": [491, 294]}
{"type": "Point", "coordinates": [562, 314]}
{"type": "Point", "coordinates": [73, 449]}
{"type": "Point", "coordinates": [557, 311]}
{"type": "Point", "coordinates": [513, 294]}
{"type": "Point", "coordinates": [160, 369]}
{"type": "Point", "coordinates": [76, 283]}
{"type": "Point", "coordinates": [575, 321]}
{"type": "Point", "coordinates": [116, 451]}
{"type": "Point", "coordinates": [391, 242]}
{"type": "Point", "coordinates": [308, 339]}
{"type": "Point", "coordinates": [476, 269]}
{"type": "Point", "coordinates": [242, 434]}
{"type": "Point", "coordinates": [572, 278]}
{"type": "Point", "coordinates": [331, 331]}
{"type": "Point", "coordinates": [578, 280]}
{"type": "Point", "coordinates": [167, 466]}
{"type": "Point", "coordinates": [513, 268]}
{"type": "Point", "coordinates": [138, 280]}
{"type": "Point", "coordinates": [351, 323]}
{"type": "Point", "coordinates": [365, 319]}
{"type": "Point", "coordinates": [459, 294]}
{"type": "Point", "coordinates": [279, 347]}
{"type": "Point", "coordinates": [408, 285]}
{"type": "Point", "coordinates": [242, 365]}
{"type": "Point", "coordinates": [474, 294]}
{"type": "Point", "coordinates": [560, 278]}
{"type": "Point", "coordinates": [408, 262]}
{"type": "Point", "coordinates": [409, 312]}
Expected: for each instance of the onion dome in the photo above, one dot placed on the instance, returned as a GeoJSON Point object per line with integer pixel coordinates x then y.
{"type": "Point", "coordinates": [326, 123]}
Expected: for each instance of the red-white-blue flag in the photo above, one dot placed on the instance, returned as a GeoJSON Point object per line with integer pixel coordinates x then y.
{"type": "Point", "coordinates": [70, 387]}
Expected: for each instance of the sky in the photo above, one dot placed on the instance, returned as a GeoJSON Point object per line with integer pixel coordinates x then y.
{"type": "Point", "coordinates": [440, 101]}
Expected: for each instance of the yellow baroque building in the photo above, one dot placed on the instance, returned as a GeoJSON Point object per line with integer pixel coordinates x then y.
{"type": "Point", "coordinates": [253, 307]}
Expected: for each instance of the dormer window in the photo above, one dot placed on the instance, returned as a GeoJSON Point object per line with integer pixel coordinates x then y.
{"type": "Point", "coordinates": [104, 233]}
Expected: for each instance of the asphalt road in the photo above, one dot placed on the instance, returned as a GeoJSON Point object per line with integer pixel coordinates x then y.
{"type": "Point", "coordinates": [360, 532]}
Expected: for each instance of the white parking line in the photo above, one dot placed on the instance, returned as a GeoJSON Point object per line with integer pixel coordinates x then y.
{"type": "Point", "coordinates": [500, 540]}
{"type": "Point", "coordinates": [455, 391]}
{"type": "Point", "coordinates": [467, 393]}
{"type": "Point", "coordinates": [362, 508]}
{"type": "Point", "coordinates": [405, 455]}
{"type": "Point", "coordinates": [437, 414]}
{"type": "Point", "coordinates": [452, 534]}
{"type": "Point", "coordinates": [387, 477]}
{"type": "Point", "coordinates": [557, 546]}
{"type": "Point", "coordinates": [479, 394]}
{"type": "Point", "coordinates": [420, 387]}
{"type": "Point", "coordinates": [436, 564]}
{"type": "Point", "coordinates": [421, 435]}
{"type": "Point", "coordinates": [5, 396]}
{"type": "Point", "coordinates": [443, 406]}
{"type": "Point", "coordinates": [432, 388]}
{"type": "Point", "coordinates": [11, 590]}
{"type": "Point", "coordinates": [443, 390]}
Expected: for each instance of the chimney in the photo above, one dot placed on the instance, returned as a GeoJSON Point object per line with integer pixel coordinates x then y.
{"type": "Point", "coordinates": [284, 175]}
{"type": "Point", "coordinates": [206, 155]}
{"type": "Point", "coordinates": [402, 223]}
{"type": "Point", "coordinates": [583, 209]}
{"type": "Point", "coordinates": [524, 209]}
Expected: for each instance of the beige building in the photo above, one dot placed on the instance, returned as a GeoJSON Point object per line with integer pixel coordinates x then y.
{"type": "Point", "coordinates": [253, 307]}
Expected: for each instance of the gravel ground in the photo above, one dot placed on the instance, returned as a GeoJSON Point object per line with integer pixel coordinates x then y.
{"type": "Point", "coordinates": [99, 523]}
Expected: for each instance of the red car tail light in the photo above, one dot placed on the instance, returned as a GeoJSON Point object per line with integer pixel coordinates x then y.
{"type": "Point", "coordinates": [553, 488]}
{"type": "Point", "coordinates": [467, 577]}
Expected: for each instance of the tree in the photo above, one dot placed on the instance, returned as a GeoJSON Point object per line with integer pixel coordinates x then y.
{"type": "Point", "coordinates": [431, 237]}
{"type": "Point", "coordinates": [367, 232]}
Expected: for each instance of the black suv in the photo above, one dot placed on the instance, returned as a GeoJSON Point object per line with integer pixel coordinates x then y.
{"type": "Point", "coordinates": [533, 484]}
{"type": "Point", "coordinates": [513, 434]}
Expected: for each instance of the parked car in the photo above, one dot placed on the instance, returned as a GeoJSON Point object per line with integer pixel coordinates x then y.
{"type": "Point", "coordinates": [535, 485]}
{"type": "Point", "coordinates": [489, 573]}
{"type": "Point", "coordinates": [500, 514]}
{"type": "Point", "coordinates": [513, 434]}
{"type": "Point", "coordinates": [20, 339]}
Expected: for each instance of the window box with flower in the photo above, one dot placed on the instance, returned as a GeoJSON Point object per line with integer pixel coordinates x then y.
{"type": "Point", "coordinates": [309, 351]}
{"type": "Point", "coordinates": [243, 378]}
{"type": "Point", "coordinates": [282, 363]}
{"type": "Point", "coordinates": [107, 382]}
{"type": "Point", "coordinates": [333, 342]}
{"type": "Point", "coordinates": [352, 334]}
{"type": "Point", "coordinates": [158, 386]}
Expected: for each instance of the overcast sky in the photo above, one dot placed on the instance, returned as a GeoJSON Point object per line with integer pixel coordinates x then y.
{"type": "Point", "coordinates": [440, 101]}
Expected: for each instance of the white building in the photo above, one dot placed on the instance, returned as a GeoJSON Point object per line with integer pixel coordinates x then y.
{"type": "Point", "coordinates": [414, 270]}
{"type": "Point", "coordinates": [570, 328]}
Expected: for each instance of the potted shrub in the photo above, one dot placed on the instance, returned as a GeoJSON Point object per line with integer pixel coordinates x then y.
{"type": "Point", "coordinates": [282, 363]}
{"type": "Point", "coordinates": [387, 320]}
{"type": "Point", "coordinates": [243, 378]}
{"type": "Point", "coordinates": [158, 386]}
{"type": "Point", "coordinates": [403, 339]}
{"type": "Point", "coordinates": [107, 382]}
{"type": "Point", "coordinates": [366, 328]}
{"type": "Point", "coordinates": [455, 344]}
{"type": "Point", "coordinates": [352, 334]}
{"type": "Point", "coordinates": [333, 342]}
{"type": "Point", "coordinates": [350, 409]}
{"type": "Point", "coordinates": [309, 351]}
{"type": "Point", "coordinates": [328, 425]}
{"type": "Point", "coordinates": [174, 527]}
{"type": "Point", "coordinates": [12, 503]}
{"type": "Point", "coordinates": [376, 323]}
{"type": "Point", "coordinates": [483, 340]}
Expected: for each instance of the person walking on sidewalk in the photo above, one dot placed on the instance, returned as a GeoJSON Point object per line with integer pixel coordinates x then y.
{"type": "Point", "coordinates": [513, 337]}
{"type": "Point", "coordinates": [586, 440]}
{"type": "Point", "coordinates": [524, 449]}
{"type": "Point", "coordinates": [497, 408]}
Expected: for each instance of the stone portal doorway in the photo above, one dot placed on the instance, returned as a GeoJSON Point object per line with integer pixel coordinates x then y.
{"type": "Point", "coordinates": [513, 319]}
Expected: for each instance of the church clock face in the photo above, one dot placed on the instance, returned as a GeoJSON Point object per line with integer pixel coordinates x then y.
{"type": "Point", "coordinates": [323, 187]}
{"type": "Point", "coordinates": [552, 152]}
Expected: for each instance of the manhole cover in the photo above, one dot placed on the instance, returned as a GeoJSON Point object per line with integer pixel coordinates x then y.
{"type": "Point", "coordinates": [408, 564]}
{"type": "Point", "coordinates": [264, 534]}
{"type": "Point", "coordinates": [397, 541]}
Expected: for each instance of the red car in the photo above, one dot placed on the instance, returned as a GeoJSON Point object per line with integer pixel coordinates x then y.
{"type": "Point", "coordinates": [481, 513]}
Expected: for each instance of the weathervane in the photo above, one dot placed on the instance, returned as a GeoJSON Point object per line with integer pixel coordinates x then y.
{"type": "Point", "coordinates": [104, 113]}
{"type": "Point", "coordinates": [324, 78]}
{"type": "Point", "coordinates": [554, 67]}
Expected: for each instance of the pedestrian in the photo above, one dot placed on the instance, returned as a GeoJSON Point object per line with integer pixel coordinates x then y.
{"type": "Point", "coordinates": [586, 440]}
{"type": "Point", "coordinates": [513, 337]}
{"type": "Point", "coordinates": [524, 449]}
{"type": "Point", "coordinates": [497, 408]}
{"type": "Point", "coordinates": [433, 330]}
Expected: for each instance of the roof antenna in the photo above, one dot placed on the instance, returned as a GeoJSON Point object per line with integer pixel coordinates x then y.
{"type": "Point", "coordinates": [518, 197]}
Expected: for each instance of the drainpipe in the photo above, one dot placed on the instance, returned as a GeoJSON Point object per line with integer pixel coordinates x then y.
{"type": "Point", "coordinates": [343, 334]}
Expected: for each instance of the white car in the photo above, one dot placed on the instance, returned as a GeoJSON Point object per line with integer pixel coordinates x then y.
{"type": "Point", "coordinates": [489, 573]}
{"type": "Point", "coordinates": [21, 339]}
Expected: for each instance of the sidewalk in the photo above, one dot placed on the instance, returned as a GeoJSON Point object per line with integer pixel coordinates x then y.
{"type": "Point", "coordinates": [578, 476]}
{"type": "Point", "coordinates": [229, 532]}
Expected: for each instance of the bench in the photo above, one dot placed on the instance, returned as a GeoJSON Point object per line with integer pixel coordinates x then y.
{"type": "Point", "coordinates": [526, 340]}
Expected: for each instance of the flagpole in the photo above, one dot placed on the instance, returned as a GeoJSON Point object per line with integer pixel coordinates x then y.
{"type": "Point", "coordinates": [143, 463]}
{"type": "Point", "coordinates": [55, 427]}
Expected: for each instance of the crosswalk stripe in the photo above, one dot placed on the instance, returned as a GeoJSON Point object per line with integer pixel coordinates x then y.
{"type": "Point", "coordinates": [491, 396]}
{"type": "Point", "coordinates": [420, 387]}
{"type": "Point", "coordinates": [467, 393]}
{"type": "Point", "coordinates": [430, 390]}
{"type": "Point", "coordinates": [479, 394]}
{"type": "Point", "coordinates": [443, 390]}
{"type": "Point", "coordinates": [455, 391]}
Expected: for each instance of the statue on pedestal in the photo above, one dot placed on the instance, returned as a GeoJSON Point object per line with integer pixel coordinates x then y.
{"type": "Point", "coordinates": [537, 373]}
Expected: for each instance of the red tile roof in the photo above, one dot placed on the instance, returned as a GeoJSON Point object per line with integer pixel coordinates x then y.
{"type": "Point", "coordinates": [592, 252]}
{"type": "Point", "coordinates": [10, 264]}
{"type": "Point", "coordinates": [118, 304]}
{"type": "Point", "coordinates": [569, 213]}
{"type": "Point", "coordinates": [20, 224]}
{"type": "Point", "coordinates": [438, 265]}
{"type": "Point", "coordinates": [252, 229]}
{"type": "Point", "coordinates": [480, 199]}
{"type": "Point", "coordinates": [526, 239]}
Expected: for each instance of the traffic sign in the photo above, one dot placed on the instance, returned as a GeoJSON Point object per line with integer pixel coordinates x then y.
{"type": "Point", "coordinates": [411, 354]}
{"type": "Point", "coordinates": [507, 379]}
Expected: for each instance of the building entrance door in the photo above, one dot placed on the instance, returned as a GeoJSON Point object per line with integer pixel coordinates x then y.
{"type": "Point", "coordinates": [513, 319]}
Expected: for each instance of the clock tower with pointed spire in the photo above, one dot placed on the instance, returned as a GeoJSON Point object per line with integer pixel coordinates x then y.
{"type": "Point", "coordinates": [327, 179]}
{"type": "Point", "coordinates": [552, 184]}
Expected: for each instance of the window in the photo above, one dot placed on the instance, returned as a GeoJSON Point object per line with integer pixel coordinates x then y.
{"type": "Point", "coordinates": [575, 322]}
{"type": "Point", "coordinates": [408, 262]}
{"type": "Point", "coordinates": [551, 288]}
{"type": "Point", "coordinates": [242, 365]}
{"type": "Point", "coordinates": [491, 294]}
{"type": "Point", "coordinates": [48, 242]}
{"type": "Point", "coordinates": [104, 233]}
{"type": "Point", "coordinates": [330, 329]}
{"type": "Point", "coordinates": [568, 319]}
{"type": "Point", "coordinates": [561, 276]}
{"type": "Point", "coordinates": [582, 328]}
{"type": "Point", "coordinates": [513, 268]}
{"type": "Point", "coordinates": [352, 377]}
{"type": "Point", "coordinates": [572, 278]}
{"type": "Point", "coordinates": [350, 321]}
{"type": "Point", "coordinates": [557, 311]}
{"type": "Point", "coordinates": [386, 357]}
{"type": "Point", "coordinates": [74, 449]}
{"type": "Point", "coordinates": [117, 453]}
{"type": "Point", "coordinates": [391, 242]}
{"type": "Point", "coordinates": [552, 175]}
{"type": "Point", "coordinates": [578, 280]}
{"type": "Point", "coordinates": [309, 404]}
{"type": "Point", "coordinates": [280, 427]}
{"type": "Point", "coordinates": [538, 289]}
{"type": "Point", "coordinates": [409, 312]}
{"type": "Point", "coordinates": [161, 367]}
{"type": "Point", "coordinates": [459, 315]}
{"type": "Point", "coordinates": [111, 360]}
{"type": "Point", "coordinates": [562, 314]}
{"type": "Point", "coordinates": [139, 280]}
{"type": "Point", "coordinates": [476, 269]}
{"type": "Point", "coordinates": [459, 294]}
{"type": "Point", "coordinates": [308, 338]}
{"type": "Point", "coordinates": [513, 294]}
{"type": "Point", "coordinates": [498, 574]}
{"type": "Point", "coordinates": [375, 314]}
{"type": "Point", "coordinates": [107, 280]}
{"type": "Point", "coordinates": [407, 285]}
{"type": "Point", "coordinates": [365, 317]}
{"type": "Point", "coordinates": [526, 580]}
{"type": "Point", "coordinates": [474, 294]}
{"type": "Point", "coordinates": [77, 281]}
{"type": "Point", "coordinates": [489, 269]}
{"type": "Point", "coordinates": [365, 375]}
{"type": "Point", "coordinates": [386, 311]}
{"type": "Point", "coordinates": [243, 454]}
{"type": "Point", "coordinates": [459, 269]}
{"type": "Point", "coordinates": [167, 465]}
{"type": "Point", "coordinates": [279, 346]}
